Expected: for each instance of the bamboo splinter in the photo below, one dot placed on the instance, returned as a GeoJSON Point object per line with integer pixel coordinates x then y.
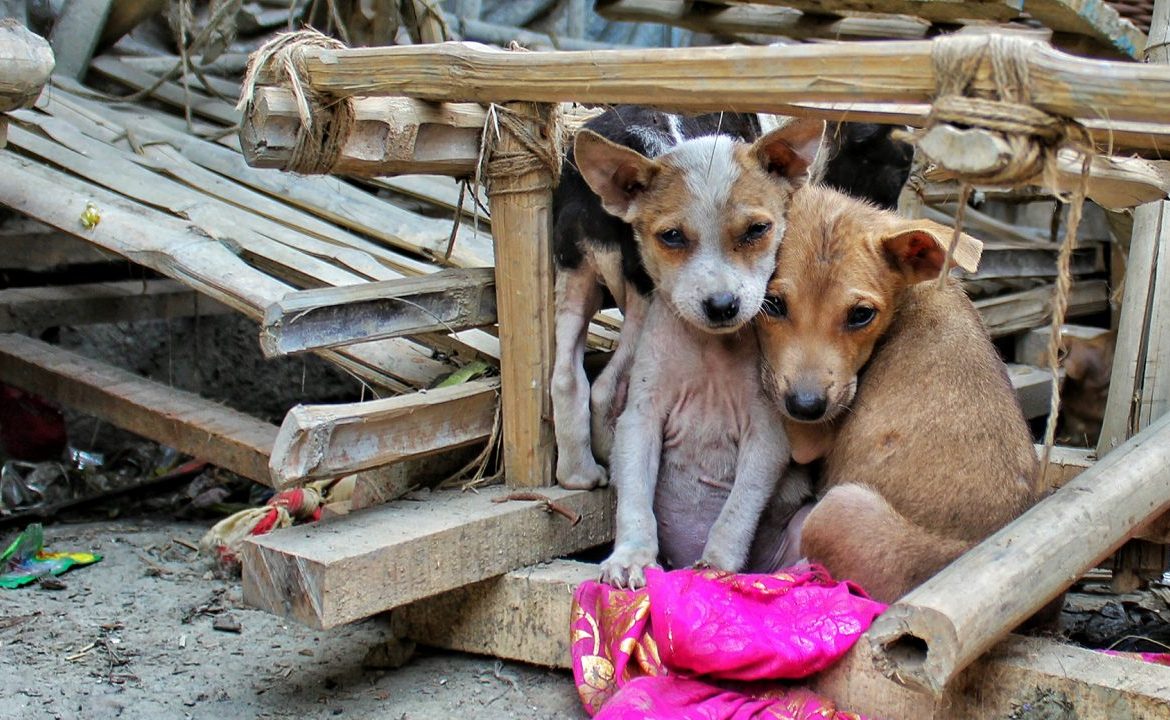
{"type": "Point", "coordinates": [934, 632]}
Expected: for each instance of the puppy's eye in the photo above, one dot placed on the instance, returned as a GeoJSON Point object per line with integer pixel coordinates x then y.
{"type": "Point", "coordinates": [672, 238]}
{"type": "Point", "coordinates": [756, 231]}
{"type": "Point", "coordinates": [860, 316]}
{"type": "Point", "coordinates": [774, 307]}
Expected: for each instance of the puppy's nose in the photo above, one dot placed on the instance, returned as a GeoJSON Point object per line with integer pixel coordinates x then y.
{"type": "Point", "coordinates": [805, 405]}
{"type": "Point", "coordinates": [721, 307]}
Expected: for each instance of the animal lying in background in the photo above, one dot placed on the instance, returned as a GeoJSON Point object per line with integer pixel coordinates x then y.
{"type": "Point", "coordinates": [596, 255]}
{"type": "Point", "coordinates": [697, 455]}
{"type": "Point", "coordinates": [894, 383]}
{"type": "Point", "coordinates": [1088, 366]}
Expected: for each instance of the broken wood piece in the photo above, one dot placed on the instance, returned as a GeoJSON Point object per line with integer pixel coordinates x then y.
{"type": "Point", "coordinates": [26, 61]}
{"type": "Point", "coordinates": [716, 78]}
{"type": "Point", "coordinates": [965, 151]}
{"type": "Point", "coordinates": [179, 419]}
{"type": "Point", "coordinates": [31, 310]}
{"type": "Point", "coordinates": [326, 441]}
{"type": "Point", "coordinates": [385, 557]}
{"type": "Point", "coordinates": [1018, 311]}
{"type": "Point", "coordinates": [1064, 464]}
{"type": "Point", "coordinates": [926, 638]}
{"type": "Point", "coordinates": [544, 500]}
{"type": "Point", "coordinates": [75, 35]}
{"type": "Point", "coordinates": [389, 135]}
{"type": "Point", "coordinates": [446, 301]}
{"type": "Point", "coordinates": [482, 618]}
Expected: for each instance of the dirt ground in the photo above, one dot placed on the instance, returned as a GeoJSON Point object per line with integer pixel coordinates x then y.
{"type": "Point", "coordinates": [133, 637]}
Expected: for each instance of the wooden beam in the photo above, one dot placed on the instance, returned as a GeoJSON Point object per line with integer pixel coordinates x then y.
{"type": "Point", "coordinates": [1033, 388]}
{"type": "Point", "coordinates": [447, 301]}
{"type": "Point", "coordinates": [936, 630]}
{"type": "Point", "coordinates": [26, 61]}
{"type": "Point", "coordinates": [385, 557]}
{"type": "Point", "coordinates": [326, 441]}
{"type": "Point", "coordinates": [1015, 312]}
{"type": "Point", "coordinates": [30, 245]}
{"type": "Point", "coordinates": [1020, 671]}
{"type": "Point", "coordinates": [721, 78]}
{"type": "Point", "coordinates": [390, 135]}
{"type": "Point", "coordinates": [180, 419]}
{"type": "Point", "coordinates": [522, 227]}
{"type": "Point", "coordinates": [30, 310]}
{"type": "Point", "coordinates": [75, 34]}
{"type": "Point", "coordinates": [720, 19]}
{"type": "Point", "coordinates": [482, 618]}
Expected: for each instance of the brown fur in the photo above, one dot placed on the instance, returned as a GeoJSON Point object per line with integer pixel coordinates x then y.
{"type": "Point", "coordinates": [1088, 366]}
{"type": "Point", "coordinates": [931, 454]}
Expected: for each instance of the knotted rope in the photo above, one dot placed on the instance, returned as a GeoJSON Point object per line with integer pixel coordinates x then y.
{"type": "Point", "coordinates": [540, 149]}
{"type": "Point", "coordinates": [1033, 137]}
{"type": "Point", "coordinates": [326, 121]}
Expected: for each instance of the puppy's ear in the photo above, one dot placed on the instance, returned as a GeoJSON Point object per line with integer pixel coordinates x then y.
{"type": "Point", "coordinates": [790, 151]}
{"type": "Point", "coordinates": [615, 172]}
{"type": "Point", "coordinates": [918, 248]}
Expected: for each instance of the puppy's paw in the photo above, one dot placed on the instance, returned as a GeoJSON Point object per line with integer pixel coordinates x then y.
{"type": "Point", "coordinates": [626, 567]}
{"type": "Point", "coordinates": [584, 476]}
{"type": "Point", "coordinates": [720, 558]}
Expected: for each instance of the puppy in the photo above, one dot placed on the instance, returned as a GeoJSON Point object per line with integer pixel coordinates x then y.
{"type": "Point", "coordinates": [894, 383]}
{"type": "Point", "coordinates": [696, 457]}
{"type": "Point", "coordinates": [595, 253]}
{"type": "Point", "coordinates": [1088, 367]}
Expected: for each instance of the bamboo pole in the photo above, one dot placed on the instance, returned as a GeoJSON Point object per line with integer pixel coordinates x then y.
{"type": "Point", "coordinates": [930, 635]}
{"type": "Point", "coordinates": [390, 135]}
{"type": "Point", "coordinates": [26, 61]}
{"type": "Point", "coordinates": [522, 226]}
{"type": "Point", "coordinates": [723, 78]}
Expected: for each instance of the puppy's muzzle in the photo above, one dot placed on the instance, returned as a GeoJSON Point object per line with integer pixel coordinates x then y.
{"type": "Point", "coordinates": [806, 405]}
{"type": "Point", "coordinates": [721, 308]}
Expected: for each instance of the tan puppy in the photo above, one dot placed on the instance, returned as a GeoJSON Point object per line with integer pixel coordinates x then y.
{"type": "Point", "coordinates": [894, 382]}
{"type": "Point", "coordinates": [1088, 366]}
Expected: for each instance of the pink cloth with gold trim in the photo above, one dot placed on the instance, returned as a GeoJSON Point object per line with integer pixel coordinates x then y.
{"type": "Point", "coordinates": [699, 643]}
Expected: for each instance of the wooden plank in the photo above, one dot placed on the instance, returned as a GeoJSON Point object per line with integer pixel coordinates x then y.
{"type": "Point", "coordinates": [29, 245]}
{"type": "Point", "coordinates": [1015, 312]}
{"type": "Point", "coordinates": [385, 557]}
{"type": "Point", "coordinates": [1064, 464]}
{"type": "Point", "coordinates": [173, 247]}
{"type": "Point", "coordinates": [170, 93]}
{"type": "Point", "coordinates": [180, 419]}
{"type": "Point", "coordinates": [449, 300]}
{"type": "Point", "coordinates": [1033, 388]}
{"type": "Point", "coordinates": [719, 78]}
{"type": "Point", "coordinates": [720, 19]}
{"type": "Point", "coordinates": [75, 34]}
{"type": "Point", "coordinates": [26, 61]}
{"type": "Point", "coordinates": [1032, 346]}
{"type": "Point", "coordinates": [30, 310]}
{"type": "Point", "coordinates": [522, 615]}
{"type": "Point", "coordinates": [522, 224]}
{"type": "Point", "coordinates": [327, 441]}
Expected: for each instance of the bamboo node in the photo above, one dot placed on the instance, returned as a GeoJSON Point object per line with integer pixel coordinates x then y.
{"type": "Point", "coordinates": [326, 121]}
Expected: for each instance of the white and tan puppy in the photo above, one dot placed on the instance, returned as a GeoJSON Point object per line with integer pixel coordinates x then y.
{"type": "Point", "coordinates": [698, 452]}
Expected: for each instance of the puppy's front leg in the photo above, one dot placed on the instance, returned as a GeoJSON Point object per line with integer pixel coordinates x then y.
{"type": "Point", "coordinates": [634, 467]}
{"type": "Point", "coordinates": [762, 459]}
{"type": "Point", "coordinates": [608, 396]}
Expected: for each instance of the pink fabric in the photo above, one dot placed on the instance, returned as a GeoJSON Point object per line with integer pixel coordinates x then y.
{"type": "Point", "coordinates": [1150, 657]}
{"type": "Point", "coordinates": [633, 651]}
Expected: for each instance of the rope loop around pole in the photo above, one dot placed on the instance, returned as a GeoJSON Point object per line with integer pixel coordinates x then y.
{"type": "Point", "coordinates": [325, 121]}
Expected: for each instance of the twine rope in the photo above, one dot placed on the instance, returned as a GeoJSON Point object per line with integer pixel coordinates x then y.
{"type": "Point", "coordinates": [539, 151]}
{"type": "Point", "coordinates": [325, 121]}
{"type": "Point", "coordinates": [1034, 138]}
